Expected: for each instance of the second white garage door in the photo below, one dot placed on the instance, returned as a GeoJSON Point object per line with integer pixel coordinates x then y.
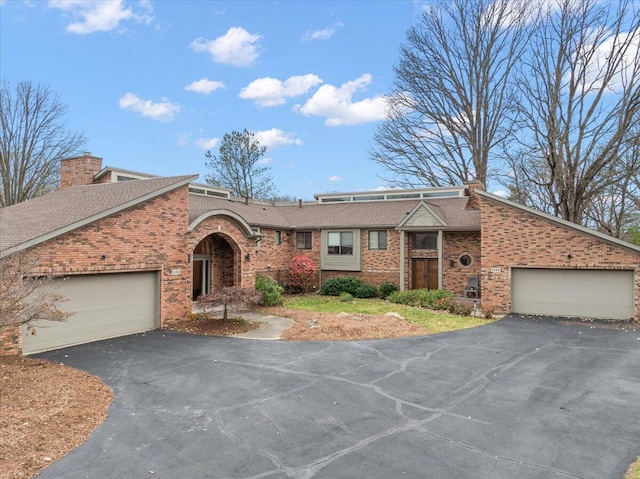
{"type": "Point", "coordinates": [573, 292]}
{"type": "Point", "coordinates": [104, 306]}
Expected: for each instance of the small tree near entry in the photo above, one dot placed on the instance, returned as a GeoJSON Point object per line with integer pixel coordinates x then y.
{"type": "Point", "coordinates": [302, 273]}
{"type": "Point", "coordinates": [229, 297]}
{"type": "Point", "coordinates": [25, 296]}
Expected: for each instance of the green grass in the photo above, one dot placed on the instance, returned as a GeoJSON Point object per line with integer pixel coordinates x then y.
{"type": "Point", "coordinates": [634, 470]}
{"type": "Point", "coordinates": [432, 321]}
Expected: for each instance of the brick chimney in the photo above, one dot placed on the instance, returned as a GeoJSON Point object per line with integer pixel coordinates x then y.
{"type": "Point", "coordinates": [474, 200]}
{"type": "Point", "coordinates": [79, 170]}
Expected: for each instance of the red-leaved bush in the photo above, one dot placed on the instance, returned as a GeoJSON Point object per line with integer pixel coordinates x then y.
{"type": "Point", "coordinates": [302, 273]}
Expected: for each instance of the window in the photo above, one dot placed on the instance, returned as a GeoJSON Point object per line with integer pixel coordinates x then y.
{"type": "Point", "coordinates": [425, 241]}
{"type": "Point", "coordinates": [378, 239]}
{"type": "Point", "coordinates": [465, 260]}
{"type": "Point", "coordinates": [340, 242]}
{"type": "Point", "coordinates": [278, 237]}
{"type": "Point", "coordinates": [303, 239]}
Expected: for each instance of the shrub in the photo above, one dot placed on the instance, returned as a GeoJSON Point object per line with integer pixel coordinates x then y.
{"type": "Point", "coordinates": [488, 309]}
{"type": "Point", "coordinates": [387, 288]}
{"type": "Point", "coordinates": [302, 273]}
{"type": "Point", "coordinates": [344, 284]}
{"type": "Point", "coordinates": [271, 291]}
{"type": "Point", "coordinates": [464, 309]}
{"type": "Point", "coordinates": [423, 298]}
{"type": "Point", "coordinates": [345, 297]}
{"type": "Point", "coordinates": [366, 291]}
{"type": "Point", "coordinates": [445, 304]}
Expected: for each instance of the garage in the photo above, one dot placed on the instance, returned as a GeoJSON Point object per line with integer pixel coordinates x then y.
{"type": "Point", "coordinates": [573, 292]}
{"type": "Point", "coordinates": [104, 306]}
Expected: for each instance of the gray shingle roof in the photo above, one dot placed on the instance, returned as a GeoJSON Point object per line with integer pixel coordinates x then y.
{"type": "Point", "coordinates": [387, 214]}
{"type": "Point", "coordinates": [31, 222]}
{"type": "Point", "coordinates": [39, 219]}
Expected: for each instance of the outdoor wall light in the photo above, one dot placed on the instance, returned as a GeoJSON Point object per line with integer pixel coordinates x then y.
{"type": "Point", "coordinates": [569, 256]}
{"type": "Point", "coordinates": [451, 263]}
{"type": "Point", "coordinates": [247, 257]}
{"type": "Point", "coordinates": [103, 256]}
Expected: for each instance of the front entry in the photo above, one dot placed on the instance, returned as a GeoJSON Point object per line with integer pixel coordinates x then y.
{"type": "Point", "coordinates": [215, 264]}
{"type": "Point", "coordinates": [424, 274]}
{"type": "Point", "coordinates": [201, 275]}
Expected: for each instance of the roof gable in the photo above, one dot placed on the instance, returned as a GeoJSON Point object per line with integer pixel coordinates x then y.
{"type": "Point", "coordinates": [40, 219]}
{"type": "Point", "coordinates": [560, 221]}
{"type": "Point", "coordinates": [423, 215]}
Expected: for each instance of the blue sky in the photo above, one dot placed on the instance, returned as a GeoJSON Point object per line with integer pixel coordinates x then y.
{"type": "Point", "coordinates": [153, 84]}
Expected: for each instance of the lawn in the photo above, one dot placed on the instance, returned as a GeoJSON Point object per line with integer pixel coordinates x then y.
{"type": "Point", "coordinates": [327, 318]}
{"type": "Point", "coordinates": [432, 321]}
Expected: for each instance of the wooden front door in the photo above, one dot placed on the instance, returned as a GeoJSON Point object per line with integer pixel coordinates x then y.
{"type": "Point", "coordinates": [424, 274]}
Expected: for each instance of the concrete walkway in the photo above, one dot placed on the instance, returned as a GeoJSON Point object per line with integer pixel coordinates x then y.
{"type": "Point", "coordinates": [271, 327]}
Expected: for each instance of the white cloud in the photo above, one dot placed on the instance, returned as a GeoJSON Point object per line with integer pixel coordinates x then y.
{"type": "Point", "coordinates": [264, 161]}
{"type": "Point", "coordinates": [164, 110]}
{"type": "Point", "coordinates": [501, 193]}
{"type": "Point", "coordinates": [324, 34]}
{"type": "Point", "coordinates": [100, 16]}
{"type": "Point", "coordinates": [274, 138]}
{"type": "Point", "coordinates": [207, 143]}
{"type": "Point", "coordinates": [237, 47]}
{"type": "Point", "coordinates": [205, 86]}
{"type": "Point", "coordinates": [272, 92]}
{"type": "Point", "coordinates": [182, 139]}
{"type": "Point", "coordinates": [596, 69]}
{"type": "Point", "coordinates": [335, 103]}
{"type": "Point", "coordinates": [336, 178]}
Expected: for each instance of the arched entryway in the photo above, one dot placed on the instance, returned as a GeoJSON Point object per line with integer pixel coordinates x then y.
{"type": "Point", "coordinates": [216, 264]}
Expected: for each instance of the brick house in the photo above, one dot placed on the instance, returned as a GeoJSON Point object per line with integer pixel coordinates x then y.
{"type": "Point", "coordinates": [137, 249]}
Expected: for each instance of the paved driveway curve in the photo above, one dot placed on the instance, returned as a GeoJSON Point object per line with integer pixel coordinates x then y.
{"type": "Point", "coordinates": [521, 398]}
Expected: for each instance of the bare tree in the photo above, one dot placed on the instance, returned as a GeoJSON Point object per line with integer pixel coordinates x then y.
{"type": "Point", "coordinates": [616, 210]}
{"type": "Point", "coordinates": [26, 295]}
{"type": "Point", "coordinates": [33, 141]}
{"type": "Point", "coordinates": [229, 297]}
{"type": "Point", "coordinates": [237, 166]}
{"type": "Point", "coordinates": [580, 93]}
{"type": "Point", "coordinates": [452, 96]}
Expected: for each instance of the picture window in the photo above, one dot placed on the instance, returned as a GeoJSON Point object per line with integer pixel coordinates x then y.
{"type": "Point", "coordinates": [340, 242]}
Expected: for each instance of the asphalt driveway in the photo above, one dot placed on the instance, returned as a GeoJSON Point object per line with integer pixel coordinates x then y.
{"type": "Point", "coordinates": [521, 398]}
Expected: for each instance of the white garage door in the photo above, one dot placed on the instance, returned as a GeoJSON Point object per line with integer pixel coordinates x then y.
{"type": "Point", "coordinates": [579, 293]}
{"type": "Point", "coordinates": [105, 306]}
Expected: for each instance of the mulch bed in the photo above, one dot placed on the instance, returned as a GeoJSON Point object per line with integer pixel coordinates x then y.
{"type": "Point", "coordinates": [47, 409]}
{"type": "Point", "coordinates": [213, 325]}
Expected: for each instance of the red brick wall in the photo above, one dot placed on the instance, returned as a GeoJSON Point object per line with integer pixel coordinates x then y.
{"type": "Point", "coordinates": [147, 237]}
{"type": "Point", "coordinates": [270, 259]}
{"type": "Point", "coordinates": [79, 170]}
{"type": "Point", "coordinates": [514, 238]}
{"type": "Point", "coordinates": [454, 245]}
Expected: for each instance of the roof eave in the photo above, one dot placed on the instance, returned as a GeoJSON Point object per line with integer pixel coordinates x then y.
{"type": "Point", "coordinates": [560, 221]}
{"type": "Point", "coordinates": [93, 218]}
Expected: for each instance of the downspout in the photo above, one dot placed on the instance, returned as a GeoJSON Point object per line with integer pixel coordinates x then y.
{"type": "Point", "coordinates": [439, 259]}
{"type": "Point", "coordinates": [402, 259]}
